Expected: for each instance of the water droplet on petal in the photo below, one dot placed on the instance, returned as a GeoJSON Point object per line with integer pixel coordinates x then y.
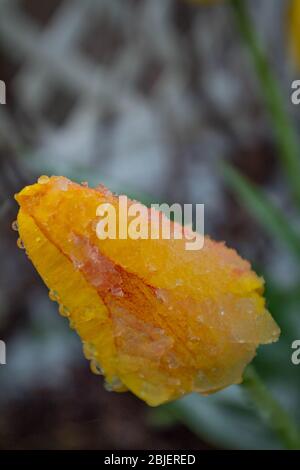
{"type": "Point", "coordinates": [104, 190]}
{"type": "Point", "coordinates": [15, 226]}
{"type": "Point", "coordinates": [64, 311]}
{"type": "Point", "coordinates": [95, 367]}
{"type": "Point", "coordinates": [114, 385]}
{"type": "Point", "coordinates": [151, 267]}
{"type": "Point", "coordinates": [172, 362]}
{"type": "Point", "coordinates": [161, 295]}
{"type": "Point", "coordinates": [53, 295]}
{"type": "Point", "coordinates": [44, 179]}
{"type": "Point", "coordinates": [20, 244]}
{"type": "Point", "coordinates": [117, 291]}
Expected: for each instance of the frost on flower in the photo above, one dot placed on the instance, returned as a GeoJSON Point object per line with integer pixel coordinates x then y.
{"type": "Point", "coordinates": [153, 317]}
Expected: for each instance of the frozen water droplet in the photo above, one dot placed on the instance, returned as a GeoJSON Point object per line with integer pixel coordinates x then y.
{"type": "Point", "coordinates": [193, 339]}
{"type": "Point", "coordinates": [15, 226]}
{"type": "Point", "coordinates": [117, 291]}
{"type": "Point", "coordinates": [62, 184]}
{"type": "Point", "coordinates": [222, 312]}
{"type": "Point", "coordinates": [172, 362]}
{"type": "Point", "coordinates": [44, 179]}
{"type": "Point", "coordinates": [114, 385]}
{"type": "Point", "coordinates": [200, 318]}
{"type": "Point", "coordinates": [77, 263]}
{"type": "Point", "coordinates": [161, 295]}
{"type": "Point", "coordinates": [53, 295]}
{"type": "Point", "coordinates": [38, 239]}
{"type": "Point", "coordinates": [104, 190]}
{"type": "Point", "coordinates": [85, 184]}
{"type": "Point", "coordinates": [151, 267]}
{"type": "Point", "coordinates": [95, 367]}
{"type": "Point", "coordinates": [20, 244]}
{"type": "Point", "coordinates": [178, 282]}
{"type": "Point", "coordinates": [64, 311]}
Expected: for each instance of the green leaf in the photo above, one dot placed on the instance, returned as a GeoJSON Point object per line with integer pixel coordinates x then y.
{"type": "Point", "coordinates": [262, 208]}
{"type": "Point", "coordinates": [283, 127]}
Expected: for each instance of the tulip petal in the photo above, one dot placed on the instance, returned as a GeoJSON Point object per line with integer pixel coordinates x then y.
{"type": "Point", "coordinates": [157, 319]}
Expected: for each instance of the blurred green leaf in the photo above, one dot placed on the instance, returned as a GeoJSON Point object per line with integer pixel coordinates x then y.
{"type": "Point", "coordinates": [262, 208]}
{"type": "Point", "coordinates": [225, 419]}
{"type": "Point", "coordinates": [284, 129]}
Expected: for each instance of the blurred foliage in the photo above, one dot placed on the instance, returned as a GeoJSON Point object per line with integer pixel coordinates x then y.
{"type": "Point", "coordinates": [227, 419]}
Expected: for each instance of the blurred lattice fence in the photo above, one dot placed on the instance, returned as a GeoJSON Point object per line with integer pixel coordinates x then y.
{"type": "Point", "coordinates": [128, 87]}
{"type": "Point", "coordinates": [143, 94]}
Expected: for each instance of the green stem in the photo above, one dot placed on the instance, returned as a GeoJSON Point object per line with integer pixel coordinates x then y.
{"type": "Point", "coordinates": [270, 410]}
{"type": "Point", "coordinates": [284, 129]}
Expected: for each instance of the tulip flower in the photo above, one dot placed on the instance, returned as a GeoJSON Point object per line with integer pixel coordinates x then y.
{"type": "Point", "coordinates": [154, 318]}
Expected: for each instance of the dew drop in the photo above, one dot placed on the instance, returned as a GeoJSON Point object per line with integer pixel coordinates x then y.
{"type": "Point", "coordinates": [20, 244]}
{"type": "Point", "coordinates": [152, 268]}
{"type": "Point", "coordinates": [114, 385]}
{"type": "Point", "coordinates": [53, 295]}
{"type": "Point", "coordinates": [64, 311]}
{"type": "Point", "coordinates": [117, 291]}
{"type": "Point", "coordinates": [15, 226]}
{"type": "Point", "coordinates": [44, 179]}
{"type": "Point", "coordinates": [77, 263]}
{"type": "Point", "coordinates": [172, 362]}
{"type": "Point", "coordinates": [62, 184]}
{"type": "Point", "coordinates": [95, 367]}
{"type": "Point", "coordinates": [161, 295]}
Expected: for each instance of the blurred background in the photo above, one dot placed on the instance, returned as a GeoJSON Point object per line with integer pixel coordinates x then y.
{"type": "Point", "coordinates": [147, 97]}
